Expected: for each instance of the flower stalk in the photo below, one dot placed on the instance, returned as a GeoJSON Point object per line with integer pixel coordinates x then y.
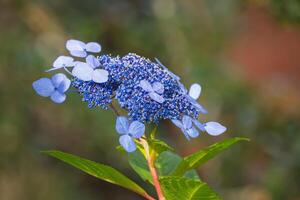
{"type": "Point", "coordinates": [151, 164]}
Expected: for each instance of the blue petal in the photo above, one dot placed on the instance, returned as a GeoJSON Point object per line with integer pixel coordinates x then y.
{"type": "Point", "coordinates": [43, 87]}
{"type": "Point", "coordinates": [58, 97]}
{"type": "Point", "coordinates": [158, 87]}
{"type": "Point", "coordinates": [177, 123]}
{"type": "Point", "coordinates": [127, 143]}
{"type": "Point", "coordinates": [75, 45]}
{"type": "Point", "coordinates": [136, 129]}
{"type": "Point", "coordinates": [64, 85]}
{"type": "Point", "coordinates": [63, 61]}
{"type": "Point", "coordinates": [156, 97]}
{"type": "Point", "coordinates": [81, 54]}
{"type": "Point", "coordinates": [187, 122]}
{"type": "Point", "coordinates": [57, 79]}
{"type": "Point", "coordinates": [146, 86]}
{"type": "Point", "coordinates": [100, 76]}
{"type": "Point", "coordinates": [93, 47]}
{"type": "Point", "coordinates": [92, 61]}
{"type": "Point", "coordinates": [192, 132]}
{"type": "Point", "coordinates": [83, 71]}
{"type": "Point", "coordinates": [195, 91]}
{"type": "Point", "coordinates": [214, 128]}
{"type": "Point", "coordinates": [122, 125]}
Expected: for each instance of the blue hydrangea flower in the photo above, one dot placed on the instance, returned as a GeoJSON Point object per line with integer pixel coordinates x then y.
{"type": "Point", "coordinates": [129, 132]}
{"type": "Point", "coordinates": [147, 90]}
{"type": "Point", "coordinates": [54, 88]}
{"type": "Point", "coordinates": [80, 49]}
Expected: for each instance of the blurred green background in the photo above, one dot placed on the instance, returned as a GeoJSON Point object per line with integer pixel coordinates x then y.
{"type": "Point", "coordinates": [245, 54]}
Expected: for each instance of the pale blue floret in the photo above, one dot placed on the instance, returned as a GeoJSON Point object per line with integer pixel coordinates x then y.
{"type": "Point", "coordinates": [186, 126]}
{"type": "Point", "coordinates": [129, 132]}
{"type": "Point", "coordinates": [154, 91]}
{"type": "Point", "coordinates": [80, 49]}
{"type": "Point", "coordinates": [54, 88]}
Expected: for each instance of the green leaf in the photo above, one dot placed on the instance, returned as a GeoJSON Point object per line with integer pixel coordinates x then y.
{"type": "Point", "coordinates": [195, 160]}
{"type": "Point", "coordinates": [139, 164]}
{"type": "Point", "coordinates": [183, 188]}
{"type": "Point", "coordinates": [159, 146]}
{"type": "Point", "coordinates": [166, 163]}
{"type": "Point", "coordinates": [192, 174]}
{"type": "Point", "coordinates": [97, 170]}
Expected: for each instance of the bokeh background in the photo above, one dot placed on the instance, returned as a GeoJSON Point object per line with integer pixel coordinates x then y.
{"type": "Point", "coordinates": [245, 54]}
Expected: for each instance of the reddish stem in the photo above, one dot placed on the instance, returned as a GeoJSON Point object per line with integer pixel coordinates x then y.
{"type": "Point", "coordinates": [148, 197]}
{"type": "Point", "coordinates": [151, 165]}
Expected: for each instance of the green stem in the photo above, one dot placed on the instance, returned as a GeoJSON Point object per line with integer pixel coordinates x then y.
{"type": "Point", "coordinates": [115, 111]}
{"type": "Point", "coordinates": [151, 164]}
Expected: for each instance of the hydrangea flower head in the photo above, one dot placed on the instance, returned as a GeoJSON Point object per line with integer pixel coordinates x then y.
{"type": "Point", "coordinates": [147, 90]}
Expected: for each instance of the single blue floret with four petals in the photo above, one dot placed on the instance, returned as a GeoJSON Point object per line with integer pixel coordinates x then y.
{"type": "Point", "coordinates": [54, 88]}
{"type": "Point", "coordinates": [155, 90]}
{"type": "Point", "coordinates": [186, 125]}
{"type": "Point", "coordinates": [129, 132]}
{"type": "Point", "coordinates": [80, 49]}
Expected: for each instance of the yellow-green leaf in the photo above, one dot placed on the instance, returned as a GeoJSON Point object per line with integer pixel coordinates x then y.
{"type": "Point", "coordinates": [98, 170]}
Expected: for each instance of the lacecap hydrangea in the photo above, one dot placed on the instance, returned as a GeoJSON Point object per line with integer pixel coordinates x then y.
{"type": "Point", "coordinates": [146, 89]}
